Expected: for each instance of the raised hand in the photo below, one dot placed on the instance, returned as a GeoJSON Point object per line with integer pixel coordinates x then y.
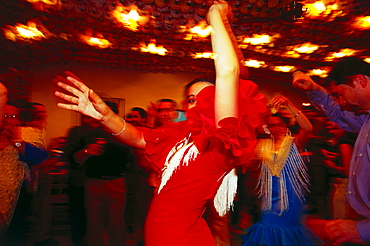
{"type": "Point", "coordinates": [220, 6]}
{"type": "Point", "coordinates": [81, 98]}
{"type": "Point", "coordinates": [303, 81]}
{"type": "Point", "coordinates": [279, 100]}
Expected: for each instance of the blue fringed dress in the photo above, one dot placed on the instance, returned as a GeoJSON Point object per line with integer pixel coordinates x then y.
{"type": "Point", "coordinates": [281, 228]}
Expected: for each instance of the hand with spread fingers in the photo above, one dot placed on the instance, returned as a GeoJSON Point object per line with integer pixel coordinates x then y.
{"type": "Point", "coordinates": [341, 231]}
{"type": "Point", "coordinates": [81, 99]}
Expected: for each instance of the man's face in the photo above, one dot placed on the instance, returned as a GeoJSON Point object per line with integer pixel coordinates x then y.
{"type": "Point", "coordinates": [349, 97]}
{"type": "Point", "coordinates": [135, 118]}
{"type": "Point", "coordinates": [11, 116]}
{"type": "Point", "coordinates": [166, 112]}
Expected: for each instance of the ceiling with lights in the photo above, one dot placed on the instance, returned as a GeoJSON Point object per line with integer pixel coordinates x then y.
{"type": "Point", "coordinates": [275, 36]}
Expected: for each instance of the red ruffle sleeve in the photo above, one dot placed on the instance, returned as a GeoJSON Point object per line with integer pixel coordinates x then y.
{"type": "Point", "coordinates": [236, 134]}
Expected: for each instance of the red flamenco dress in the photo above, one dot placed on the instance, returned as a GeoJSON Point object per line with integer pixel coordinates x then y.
{"type": "Point", "coordinates": [195, 156]}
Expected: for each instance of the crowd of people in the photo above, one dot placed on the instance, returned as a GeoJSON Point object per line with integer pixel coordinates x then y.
{"type": "Point", "coordinates": [22, 137]}
{"type": "Point", "coordinates": [227, 163]}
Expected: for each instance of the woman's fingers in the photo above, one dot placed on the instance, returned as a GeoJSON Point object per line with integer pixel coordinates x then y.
{"type": "Point", "coordinates": [77, 92]}
{"type": "Point", "coordinates": [68, 106]}
{"type": "Point", "coordinates": [66, 97]}
{"type": "Point", "coordinates": [70, 74]}
{"type": "Point", "coordinates": [81, 86]}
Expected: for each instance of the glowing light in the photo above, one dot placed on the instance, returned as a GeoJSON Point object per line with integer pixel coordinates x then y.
{"type": "Point", "coordinates": [153, 49]}
{"type": "Point", "coordinates": [207, 55]}
{"type": "Point", "coordinates": [101, 43]}
{"type": "Point", "coordinates": [318, 72]}
{"type": "Point", "coordinates": [306, 104]}
{"type": "Point", "coordinates": [188, 36]}
{"type": "Point", "coordinates": [285, 69]}
{"type": "Point", "coordinates": [23, 32]}
{"type": "Point", "coordinates": [319, 6]}
{"type": "Point", "coordinates": [306, 48]}
{"type": "Point", "coordinates": [97, 42]}
{"type": "Point", "coordinates": [254, 63]}
{"type": "Point", "coordinates": [320, 10]}
{"type": "Point", "coordinates": [341, 53]}
{"type": "Point", "coordinates": [258, 39]}
{"type": "Point", "coordinates": [129, 17]}
{"type": "Point", "coordinates": [362, 22]}
{"type": "Point", "coordinates": [48, 2]}
{"type": "Point", "coordinates": [367, 59]}
{"type": "Point", "coordinates": [202, 29]}
{"type": "Point", "coordinates": [291, 54]}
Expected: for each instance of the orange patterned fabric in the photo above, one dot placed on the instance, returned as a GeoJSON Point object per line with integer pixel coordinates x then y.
{"type": "Point", "coordinates": [11, 177]}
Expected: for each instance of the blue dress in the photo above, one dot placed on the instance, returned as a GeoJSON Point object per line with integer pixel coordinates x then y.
{"type": "Point", "coordinates": [280, 230]}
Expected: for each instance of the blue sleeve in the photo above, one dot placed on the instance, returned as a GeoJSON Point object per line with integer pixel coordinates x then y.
{"type": "Point", "coordinates": [345, 119]}
{"type": "Point", "coordinates": [33, 155]}
{"type": "Point", "coordinates": [363, 228]}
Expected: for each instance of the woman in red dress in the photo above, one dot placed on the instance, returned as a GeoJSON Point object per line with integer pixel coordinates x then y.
{"type": "Point", "coordinates": [195, 155]}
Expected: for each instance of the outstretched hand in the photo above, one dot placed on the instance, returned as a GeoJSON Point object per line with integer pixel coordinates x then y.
{"type": "Point", "coordinates": [81, 98]}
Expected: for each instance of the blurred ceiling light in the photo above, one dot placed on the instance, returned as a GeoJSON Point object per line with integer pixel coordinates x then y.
{"type": "Point", "coordinates": [48, 2]}
{"type": "Point", "coordinates": [188, 36]}
{"type": "Point", "coordinates": [341, 53]}
{"type": "Point", "coordinates": [46, 5]}
{"type": "Point", "coordinates": [362, 22]}
{"type": "Point", "coordinates": [320, 10]}
{"type": "Point", "coordinates": [207, 55]}
{"type": "Point", "coordinates": [257, 39]}
{"type": "Point", "coordinates": [367, 59]}
{"type": "Point", "coordinates": [291, 54]}
{"type": "Point", "coordinates": [23, 32]}
{"type": "Point", "coordinates": [254, 63]}
{"type": "Point", "coordinates": [153, 49]}
{"type": "Point", "coordinates": [285, 69]}
{"type": "Point", "coordinates": [322, 73]}
{"type": "Point", "coordinates": [129, 17]}
{"type": "Point", "coordinates": [97, 42]}
{"type": "Point", "coordinates": [202, 29]}
{"type": "Point", "coordinates": [306, 48]}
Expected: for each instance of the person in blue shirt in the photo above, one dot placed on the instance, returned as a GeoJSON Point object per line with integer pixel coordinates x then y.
{"type": "Point", "coordinates": [350, 81]}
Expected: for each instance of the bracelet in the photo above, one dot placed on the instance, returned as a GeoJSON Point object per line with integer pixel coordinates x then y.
{"type": "Point", "coordinates": [299, 112]}
{"type": "Point", "coordinates": [123, 129]}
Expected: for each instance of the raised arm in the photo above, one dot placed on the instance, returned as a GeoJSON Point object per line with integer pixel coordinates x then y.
{"type": "Point", "coordinates": [305, 125]}
{"type": "Point", "coordinates": [226, 62]}
{"type": "Point", "coordinates": [84, 100]}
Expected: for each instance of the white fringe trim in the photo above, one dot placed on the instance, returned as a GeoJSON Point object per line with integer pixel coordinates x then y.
{"type": "Point", "coordinates": [181, 154]}
{"type": "Point", "coordinates": [184, 152]}
{"type": "Point", "coordinates": [225, 195]}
